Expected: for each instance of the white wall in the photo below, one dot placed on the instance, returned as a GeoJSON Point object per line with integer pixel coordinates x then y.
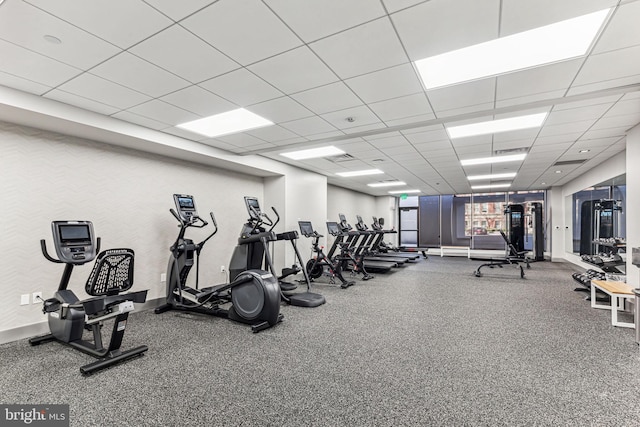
{"type": "Point", "coordinates": [127, 195]}
{"type": "Point", "coordinates": [633, 202]}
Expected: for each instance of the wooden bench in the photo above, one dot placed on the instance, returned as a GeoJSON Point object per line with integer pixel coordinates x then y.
{"type": "Point", "coordinates": [619, 293]}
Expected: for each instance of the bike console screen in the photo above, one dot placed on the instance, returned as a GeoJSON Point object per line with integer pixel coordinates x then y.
{"type": "Point", "coordinates": [74, 241]}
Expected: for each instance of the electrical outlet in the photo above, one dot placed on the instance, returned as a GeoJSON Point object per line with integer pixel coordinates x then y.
{"type": "Point", "coordinates": [24, 299]}
{"type": "Point", "coordinates": [223, 269]}
{"type": "Point", "coordinates": [36, 298]}
{"type": "Point", "coordinates": [163, 277]}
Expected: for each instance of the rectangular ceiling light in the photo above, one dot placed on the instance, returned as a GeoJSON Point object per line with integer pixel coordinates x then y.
{"type": "Point", "coordinates": [403, 191]}
{"type": "Point", "coordinates": [233, 121]}
{"type": "Point", "coordinates": [497, 126]}
{"type": "Point", "coordinates": [360, 173]}
{"type": "Point", "coordinates": [495, 159]}
{"type": "Point", "coordinates": [313, 153]}
{"type": "Point", "coordinates": [483, 187]}
{"type": "Point", "coordinates": [387, 184]}
{"type": "Point", "coordinates": [494, 176]}
{"type": "Point", "coordinates": [544, 45]}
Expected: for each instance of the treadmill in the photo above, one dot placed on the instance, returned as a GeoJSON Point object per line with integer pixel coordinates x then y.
{"type": "Point", "coordinates": [353, 236]}
{"type": "Point", "coordinates": [336, 231]}
{"type": "Point", "coordinates": [377, 226]}
{"type": "Point", "coordinates": [368, 245]}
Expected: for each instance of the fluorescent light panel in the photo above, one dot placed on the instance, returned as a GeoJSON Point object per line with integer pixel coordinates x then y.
{"type": "Point", "coordinates": [233, 121]}
{"type": "Point", "coordinates": [494, 176]}
{"type": "Point", "coordinates": [496, 159]}
{"type": "Point", "coordinates": [313, 153]}
{"type": "Point", "coordinates": [403, 191]}
{"type": "Point", "coordinates": [387, 184]}
{"type": "Point", "coordinates": [497, 126]}
{"type": "Point", "coordinates": [544, 45]}
{"type": "Point", "coordinates": [482, 187]}
{"type": "Point", "coordinates": [359, 173]}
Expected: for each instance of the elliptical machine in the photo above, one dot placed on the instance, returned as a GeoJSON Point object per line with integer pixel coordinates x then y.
{"type": "Point", "coordinates": [320, 263]}
{"type": "Point", "coordinates": [112, 274]}
{"type": "Point", "coordinates": [253, 251]}
{"type": "Point", "coordinates": [254, 295]}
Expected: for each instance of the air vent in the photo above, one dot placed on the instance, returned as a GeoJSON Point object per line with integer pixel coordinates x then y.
{"type": "Point", "coordinates": [512, 150]}
{"type": "Point", "coordinates": [342, 158]}
{"type": "Point", "coordinates": [569, 162]}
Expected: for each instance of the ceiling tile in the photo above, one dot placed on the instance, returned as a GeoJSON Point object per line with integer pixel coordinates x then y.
{"type": "Point", "coordinates": [567, 128]}
{"type": "Point", "coordinates": [280, 110]}
{"type": "Point", "coordinates": [610, 65]}
{"type": "Point", "coordinates": [332, 97]}
{"type": "Point", "coordinates": [130, 117]}
{"type": "Point", "coordinates": [308, 126]}
{"type": "Point", "coordinates": [576, 114]}
{"type": "Point", "coordinates": [273, 133]}
{"type": "Point", "coordinates": [386, 84]}
{"type": "Point", "coordinates": [242, 87]}
{"type": "Point", "coordinates": [396, 5]}
{"type": "Point", "coordinates": [537, 80]}
{"type": "Point", "coordinates": [245, 30]}
{"type": "Point", "coordinates": [24, 85]}
{"type": "Point", "coordinates": [163, 112]}
{"type": "Point", "coordinates": [108, 19]}
{"type": "Point", "coordinates": [93, 87]}
{"type": "Point", "coordinates": [439, 26]}
{"type": "Point", "coordinates": [198, 101]}
{"type": "Point", "coordinates": [135, 73]}
{"type": "Point", "coordinates": [360, 50]}
{"type": "Point", "coordinates": [294, 71]}
{"type": "Point", "coordinates": [623, 107]}
{"type": "Point", "coordinates": [480, 92]}
{"type": "Point", "coordinates": [625, 121]}
{"type": "Point", "coordinates": [406, 106]}
{"type": "Point", "coordinates": [33, 66]}
{"type": "Point", "coordinates": [518, 16]}
{"type": "Point", "coordinates": [180, 52]}
{"type": "Point", "coordinates": [315, 19]}
{"type": "Point", "coordinates": [622, 30]}
{"type": "Point", "coordinates": [78, 101]}
{"type": "Point", "coordinates": [554, 139]}
{"type": "Point", "coordinates": [364, 128]}
{"type": "Point", "coordinates": [244, 140]}
{"type": "Point", "coordinates": [177, 10]}
{"type": "Point", "coordinates": [361, 116]}
{"type": "Point", "coordinates": [77, 48]}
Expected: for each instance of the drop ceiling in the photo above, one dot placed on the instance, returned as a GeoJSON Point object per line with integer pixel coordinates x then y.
{"type": "Point", "coordinates": [335, 72]}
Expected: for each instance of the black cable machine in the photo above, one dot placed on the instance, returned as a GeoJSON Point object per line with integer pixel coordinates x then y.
{"type": "Point", "coordinates": [253, 297]}
{"type": "Point", "coordinates": [515, 226]}
{"type": "Point", "coordinates": [68, 316]}
{"type": "Point", "coordinates": [537, 226]}
{"type": "Point", "coordinates": [599, 219]}
{"type": "Point", "coordinates": [253, 251]}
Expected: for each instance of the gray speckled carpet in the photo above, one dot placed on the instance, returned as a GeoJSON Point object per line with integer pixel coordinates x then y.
{"type": "Point", "coordinates": [429, 344]}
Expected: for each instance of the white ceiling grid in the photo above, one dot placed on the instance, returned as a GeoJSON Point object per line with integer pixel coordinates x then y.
{"type": "Point", "coordinates": [334, 72]}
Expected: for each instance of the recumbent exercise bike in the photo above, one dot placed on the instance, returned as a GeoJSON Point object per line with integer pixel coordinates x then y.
{"type": "Point", "coordinates": [112, 274]}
